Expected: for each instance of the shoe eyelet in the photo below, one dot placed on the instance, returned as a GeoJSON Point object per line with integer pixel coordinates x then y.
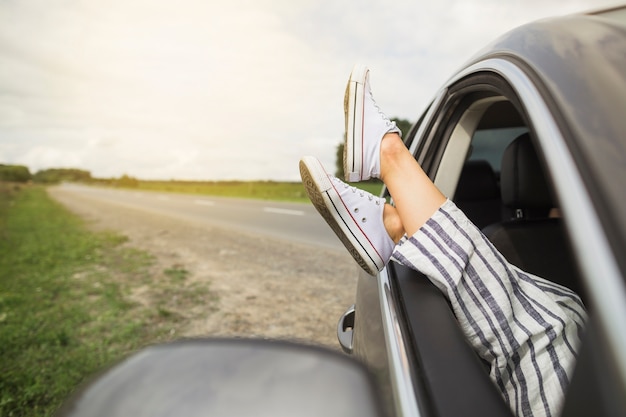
{"type": "Point", "coordinates": [356, 210]}
{"type": "Point", "coordinates": [363, 219]}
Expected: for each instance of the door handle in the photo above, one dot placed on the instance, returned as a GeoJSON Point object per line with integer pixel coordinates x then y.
{"type": "Point", "coordinates": [345, 328]}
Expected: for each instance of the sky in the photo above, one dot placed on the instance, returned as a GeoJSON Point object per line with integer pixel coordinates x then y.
{"type": "Point", "coordinates": [228, 89]}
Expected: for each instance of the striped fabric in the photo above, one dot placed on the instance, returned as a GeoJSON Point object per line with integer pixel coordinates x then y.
{"type": "Point", "coordinates": [526, 327]}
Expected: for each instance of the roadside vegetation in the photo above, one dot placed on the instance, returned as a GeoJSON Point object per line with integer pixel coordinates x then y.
{"type": "Point", "coordinates": [73, 302]}
{"type": "Point", "coordinates": [262, 190]}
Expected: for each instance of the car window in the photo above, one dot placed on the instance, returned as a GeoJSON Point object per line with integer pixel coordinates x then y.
{"type": "Point", "coordinates": [489, 144]}
{"type": "Point", "coordinates": [481, 131]}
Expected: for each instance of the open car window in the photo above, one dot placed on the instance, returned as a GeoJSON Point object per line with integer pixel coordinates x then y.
{"type": "Point", "coordinates": [464, 157]}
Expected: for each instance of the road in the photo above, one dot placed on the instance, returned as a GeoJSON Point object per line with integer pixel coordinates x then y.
{"type": "Point", "coordinates": [297, 222]}
{"type": "Point", "coordinates": [285, 275]}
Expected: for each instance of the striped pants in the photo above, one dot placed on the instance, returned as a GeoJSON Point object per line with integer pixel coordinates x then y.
{"type": "Point", "coordinates": [526, 327]}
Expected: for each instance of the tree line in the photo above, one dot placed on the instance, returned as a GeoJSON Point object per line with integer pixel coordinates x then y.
{"type": "Point", "coordinates": [21, 173]}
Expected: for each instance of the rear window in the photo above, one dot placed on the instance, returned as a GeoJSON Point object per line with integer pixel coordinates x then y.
{"type": "Point", "coordinates": [489, 144]}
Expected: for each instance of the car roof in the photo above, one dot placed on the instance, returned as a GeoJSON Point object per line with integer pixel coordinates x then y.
{"type": "Point", "coordinates": [579, 64]}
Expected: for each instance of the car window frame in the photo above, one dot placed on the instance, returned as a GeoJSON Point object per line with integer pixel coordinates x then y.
{"type": "Point", "coordinates": [430, 139]}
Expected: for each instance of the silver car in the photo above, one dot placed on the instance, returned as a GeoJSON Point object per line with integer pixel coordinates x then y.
{"type": "Point", "coordinates": [560, 86]}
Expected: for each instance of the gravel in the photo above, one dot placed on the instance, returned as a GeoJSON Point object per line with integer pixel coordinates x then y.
{"type": "Point", "coordinates": [264, 287]}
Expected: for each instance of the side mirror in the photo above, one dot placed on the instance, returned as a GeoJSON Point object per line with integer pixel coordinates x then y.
{"type": "Point", "coordinates": [230, 377]}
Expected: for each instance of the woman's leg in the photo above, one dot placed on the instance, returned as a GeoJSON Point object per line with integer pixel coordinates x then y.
{"type": "Point", "coordinates": [415, 197]}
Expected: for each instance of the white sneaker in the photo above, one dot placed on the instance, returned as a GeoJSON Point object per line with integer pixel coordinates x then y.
{"type": "Point", "coordinates": [366, 125]}
{"type": "Point", "coordinates": [355, 216]}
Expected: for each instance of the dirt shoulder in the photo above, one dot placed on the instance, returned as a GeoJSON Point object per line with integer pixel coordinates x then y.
{"type": "Point", "coordinates": [262, 287]}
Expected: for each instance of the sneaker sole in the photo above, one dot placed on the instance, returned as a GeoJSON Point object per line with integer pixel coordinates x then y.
{"type": "Point", "coordinates": [329, 204]}
{"type": "Point", "coordinates": [353, 109]}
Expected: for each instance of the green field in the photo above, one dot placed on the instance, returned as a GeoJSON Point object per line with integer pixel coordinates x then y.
{"type": "Point", "coordinates": [264, 190]}
{"type": "Point", "coordinates": [66, 301]}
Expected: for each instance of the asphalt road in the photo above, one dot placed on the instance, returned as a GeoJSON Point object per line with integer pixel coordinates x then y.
{"type": "Point", "coordinates": [298, 222]}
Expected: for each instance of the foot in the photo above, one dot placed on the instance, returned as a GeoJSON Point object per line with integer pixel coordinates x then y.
{"type": "Point", "coordinates": [366, 125]}
{"type": "Point", "coordinates": [355, 216]}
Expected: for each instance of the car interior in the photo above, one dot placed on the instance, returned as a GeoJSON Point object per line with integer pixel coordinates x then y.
{"type": "Point", "coordinates": [523, 223]}
{"type": "Point", "coordinates": [501, 186]}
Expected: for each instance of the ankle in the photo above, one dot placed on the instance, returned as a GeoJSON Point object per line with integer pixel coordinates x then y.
{"type": "Point", "coordinates": [393, 224]}
{"type": "Point", "coordinates": [391, 148]}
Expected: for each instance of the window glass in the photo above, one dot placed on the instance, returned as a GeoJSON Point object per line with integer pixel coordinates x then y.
{"type": "Point", "coordinates": [489, 144]}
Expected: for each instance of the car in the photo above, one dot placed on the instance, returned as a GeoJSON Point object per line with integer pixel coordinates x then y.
{"type": "Point", "coordinates": [558, 85]}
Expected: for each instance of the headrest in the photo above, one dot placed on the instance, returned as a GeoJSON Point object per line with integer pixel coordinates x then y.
{"type": "Point", "coordinates": [523, 183]}
{"type": "Point", "coordinates": [477, 182]}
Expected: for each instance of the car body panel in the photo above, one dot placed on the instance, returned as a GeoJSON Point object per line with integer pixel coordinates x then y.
{"type": "Point", "coordinates": [587, 86]}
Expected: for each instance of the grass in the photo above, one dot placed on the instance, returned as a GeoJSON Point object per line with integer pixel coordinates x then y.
{"type": "Point", "coordinates": [66, 304]}
{"type": "Point", "coordinates": [263, 190]}
{"type": "Point", "coordinates": [176, 273]}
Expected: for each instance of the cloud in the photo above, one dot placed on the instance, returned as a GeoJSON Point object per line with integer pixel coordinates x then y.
{"type": "Point", "coordinates": [221, 90]}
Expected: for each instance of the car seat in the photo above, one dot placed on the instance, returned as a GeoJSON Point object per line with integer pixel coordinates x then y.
{"type": "Point", "coordinates": [530, 239]}
{"type": "Point", "coordinates": [478, 193]}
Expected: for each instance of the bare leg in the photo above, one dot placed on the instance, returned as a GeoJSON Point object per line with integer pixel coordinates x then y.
{"type": "Point", "coordinates": [393, 224]}
{"type": "Point", "coordinates": [415, 196]}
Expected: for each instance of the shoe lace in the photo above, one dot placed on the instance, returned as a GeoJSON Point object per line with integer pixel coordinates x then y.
{"type": "Point", "coordinates": [361, 193]}
{"type": "Point", "coordinates": [378, 109]}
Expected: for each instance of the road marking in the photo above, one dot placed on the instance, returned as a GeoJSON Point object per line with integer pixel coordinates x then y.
{"type": "Point", "coordinates": [204, 202]}
{"type": "Point", "coordinates": [283, 211]}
